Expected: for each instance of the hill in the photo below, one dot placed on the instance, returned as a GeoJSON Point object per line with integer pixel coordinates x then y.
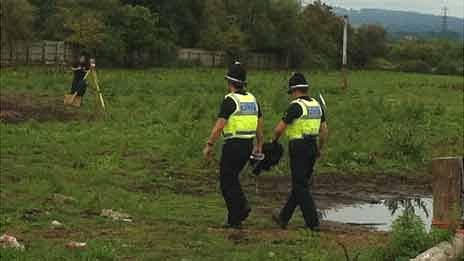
{"type": "Point", "coordinates": [403, 22]}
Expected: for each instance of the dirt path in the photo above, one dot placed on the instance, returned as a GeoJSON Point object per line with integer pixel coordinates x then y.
{"type": "Point", "coordinates": [17, 108]}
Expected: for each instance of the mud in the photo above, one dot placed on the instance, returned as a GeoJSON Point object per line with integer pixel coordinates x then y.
{"type": "Point", "coordinates": [455, 87]}
{"type": "Point", "coordinates": [268, 193]}
{"type": "Point", "coordinates": [330, 190]}
{"type": "Point", "coordinates": [17, 108]}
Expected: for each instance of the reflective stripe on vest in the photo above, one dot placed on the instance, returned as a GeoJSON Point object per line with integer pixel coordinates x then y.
{"type": "Point", "coordinates": [243, 122]}
{"type": "Point", "coordinates": [309, 123]}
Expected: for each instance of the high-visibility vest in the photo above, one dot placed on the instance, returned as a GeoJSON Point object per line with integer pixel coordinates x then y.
{"type": "Point", "coordinates": [309, 123]}
{"type": "Point", "coordinates": [243, 122]}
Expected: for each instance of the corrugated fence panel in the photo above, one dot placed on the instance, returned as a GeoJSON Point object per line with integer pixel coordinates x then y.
{"type": "Point", "coordinates": [213, 59]}
{"type": "Point", "coordinates": [45, 52]}
{"type": "Point", "coordinates": [60, 53]}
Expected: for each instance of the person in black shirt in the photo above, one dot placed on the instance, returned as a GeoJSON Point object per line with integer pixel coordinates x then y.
{"type": "Point", "coordinates": [305, 124]}
{"type": "Point", "coordinates": [79, 83]}
{"type": "Point", "coordinates": [240, 121]}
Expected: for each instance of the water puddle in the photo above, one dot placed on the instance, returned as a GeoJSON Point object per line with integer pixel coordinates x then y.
{"type": "Point", "coordinates": [380, 216]}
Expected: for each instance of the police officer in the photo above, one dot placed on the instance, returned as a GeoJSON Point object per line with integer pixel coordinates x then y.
{"type": "Point", "coordinates": [305, 125]}
{"type": "Point", "coordinates": [240, 121]}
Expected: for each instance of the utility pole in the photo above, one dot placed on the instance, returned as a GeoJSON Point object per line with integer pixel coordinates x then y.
{"type": "Point", "coordinates": [345, 50]}
{"type": "Point", "coordinates": [444, 28]}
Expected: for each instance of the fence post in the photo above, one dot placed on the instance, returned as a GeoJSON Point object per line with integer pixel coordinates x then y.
{"type": "Point", "coordinates": [43, 52]}
{"type": "Point", "coordinates": [56, 55]}
{"type": "Point", "coordinates": [447, 192]}
{"type": "Point", "coordinates": [27, 54]}
{"type": "Point", "coordinates": [10, 59]}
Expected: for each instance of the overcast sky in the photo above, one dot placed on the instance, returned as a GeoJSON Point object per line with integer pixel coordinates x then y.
{"type": "Point", "coordinates": [456, 7]}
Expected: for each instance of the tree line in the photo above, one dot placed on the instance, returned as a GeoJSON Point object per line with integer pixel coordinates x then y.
{"type": "Point", "coordinates": [117, 31]}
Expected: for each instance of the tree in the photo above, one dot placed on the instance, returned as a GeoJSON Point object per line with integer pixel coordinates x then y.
{"type": "Point", "coordinates": [139, 30]}
{"type": "Point", "coordinates": [181, 18]}
{"type": "Point", "coordinates": [16, 19]}
{"type": "Point", "coordinates": [214, 25]}
{"type": "Point", "coordinates": [87, 30]}
{"type": "Point", "coordinates": [48, 23]}
{"type": "Point", "coordinates": [284, 16]}
{"type": "Point", "coordinates": [320, 31]}
{"type": "Point", "coordinates": [369, 42]}
{"type": "Point", "coordinates": [53, 17]}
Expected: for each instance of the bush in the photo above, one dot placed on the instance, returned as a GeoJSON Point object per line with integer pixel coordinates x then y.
{"type": "Point", "coordinates": [380, 64]}
{"type": "Point", "coordinates": [446, 67]}
{"type": "Point", "coordinates": [409, 237]}
{"type": "Point", "coordinates": [406, 141]}
{"type": "Point", "coordinates": [417, 66]}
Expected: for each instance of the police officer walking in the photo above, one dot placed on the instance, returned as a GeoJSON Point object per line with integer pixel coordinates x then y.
{"type": "Point", "coordinates": [305, 125]}
{"type": "Point", "coordinates": [240, 121]}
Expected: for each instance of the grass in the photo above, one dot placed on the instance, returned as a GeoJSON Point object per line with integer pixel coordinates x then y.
{"type": "Point", "coordinates": [151, 139]}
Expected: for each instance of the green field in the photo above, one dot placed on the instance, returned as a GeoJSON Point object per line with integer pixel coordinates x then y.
{"type": "Point", "coordinates": [134, 158]}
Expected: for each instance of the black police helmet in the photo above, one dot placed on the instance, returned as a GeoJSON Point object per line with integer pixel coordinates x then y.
{"type": "Point", "coordinates": [297, 81]}
{"type": "Point", "coordinates": [236, 74]}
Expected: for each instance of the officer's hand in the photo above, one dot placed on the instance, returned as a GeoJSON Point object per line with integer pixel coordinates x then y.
{"type": "Point", "coordinates": [258, 149]}
{"type": "Point", "coordinates": [208, 152]}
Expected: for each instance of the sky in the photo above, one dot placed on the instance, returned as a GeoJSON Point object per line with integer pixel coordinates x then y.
{"type": "Point", "coordinates": [456, 7]}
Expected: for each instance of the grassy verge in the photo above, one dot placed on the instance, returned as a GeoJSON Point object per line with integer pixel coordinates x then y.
{"type": "Point", "coordinates": [152, 137]}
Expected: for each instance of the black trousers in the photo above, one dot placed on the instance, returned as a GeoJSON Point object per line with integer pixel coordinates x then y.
{"type": "Point", "coordinates": [235, 155]}
{"type": "Point", "coordinates": [302, 159]}
{"type": "Point", "coordinates": [79, 86]}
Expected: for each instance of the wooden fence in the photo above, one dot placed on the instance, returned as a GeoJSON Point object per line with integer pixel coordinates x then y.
{"type": "Point", "coordinates": [45, 53]}
{"type": "Point", "coordinates": [216, 59]}
{"type": "Point", "coordinates": [60, 53]}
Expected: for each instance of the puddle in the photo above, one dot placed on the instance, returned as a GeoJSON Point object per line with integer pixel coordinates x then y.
{"type": "Point", "coordinates": [380, 216]}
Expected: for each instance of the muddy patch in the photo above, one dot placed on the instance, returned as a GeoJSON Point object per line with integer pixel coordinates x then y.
{"type": "Point", "coordinates": [17, 108]}
{"type": "Point", "coordinates": [346, 234]}
{"type": "Point", "coordinates": [331, 190]}
{"type": "Point", "coordinates": [453, 87]}
{"type": "Point", "coordinates": [380, 216]}
{"type": "Point", "coordinates": [252, 234]}
{"type": "Point", "coordinates": [341, 199]}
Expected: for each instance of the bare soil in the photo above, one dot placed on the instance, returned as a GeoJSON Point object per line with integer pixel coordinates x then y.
{"type": "Point", "coordinates": [17, 108]}
{"type": "Point", "coordinates": [268, 193]}
{"type": "Point", "coordinates": [330, 190]}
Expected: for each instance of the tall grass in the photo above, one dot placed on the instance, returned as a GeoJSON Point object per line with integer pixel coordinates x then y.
{"type": "Point", "coordinates": [156, 125]}
{"type": "Point", "coordinates": [383, 121]}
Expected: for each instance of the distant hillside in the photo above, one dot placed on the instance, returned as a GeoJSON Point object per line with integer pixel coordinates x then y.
{"type": "Point", "coordinates": [402, 22]}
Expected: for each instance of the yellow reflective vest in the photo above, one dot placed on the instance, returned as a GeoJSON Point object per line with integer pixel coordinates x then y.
{"type": "Point", "coordinates": [309, 123]}
{"type": "Point", "coordinates": [243, 122]}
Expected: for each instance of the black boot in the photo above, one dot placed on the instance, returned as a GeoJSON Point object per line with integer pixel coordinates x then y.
{"type": "Point", "coordinates": [245, 214]}
{"type": "Point", "coordinates": [232, 226]}
{"type": "Point", "coordinates": [278, 220]}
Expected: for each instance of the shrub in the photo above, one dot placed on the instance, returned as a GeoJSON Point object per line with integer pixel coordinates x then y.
{"type": "Point", "coordinates": [447, 67]}
{"type": "Point", "coordinates": [408, 238]}
{"type": "Point", "coordinates": [380, 64]}
{"type": "Point", "coordinates": [417, 66]}
{"type": "Point", "coordinates": [406, 141]}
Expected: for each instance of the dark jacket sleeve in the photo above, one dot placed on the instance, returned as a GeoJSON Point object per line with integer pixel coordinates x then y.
{"type": "Point", "coordinates": [228, 107]}
{"type": "Point", "coordinates": [293, 112]}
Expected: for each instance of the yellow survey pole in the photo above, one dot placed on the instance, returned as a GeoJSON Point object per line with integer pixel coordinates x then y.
{"type": "Point", "coordinates": [99, 93]}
